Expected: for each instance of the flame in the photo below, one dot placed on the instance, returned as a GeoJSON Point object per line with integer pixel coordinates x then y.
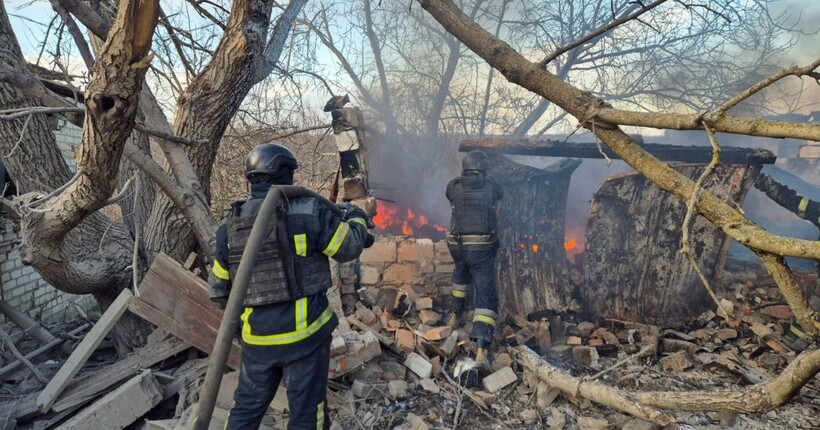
{"type": "Point", "coordinates": [535, 247]}
{"type": "Point", "coordinates": [570, 244]}
{"type": "Point", "coordinates": [391, 218]}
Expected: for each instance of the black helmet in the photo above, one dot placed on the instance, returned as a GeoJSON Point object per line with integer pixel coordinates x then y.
{"type": "Point", "coordinates": [475, 160]}
{"type": "Point", "coordinates": [269, 159]}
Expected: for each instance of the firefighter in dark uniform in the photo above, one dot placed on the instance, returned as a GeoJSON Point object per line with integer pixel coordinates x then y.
{"type": "Point", "coordinates": [472, 243]}
{"type": "Point", "coordinates": [284, 336]}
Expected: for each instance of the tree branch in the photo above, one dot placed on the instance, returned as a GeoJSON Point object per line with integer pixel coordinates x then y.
{"type": "Point", "coordinates": [791, 71]}
{"type": "Point", "coordinates": [278, 37]}
{"type": "Point", "coordinates": [75, 32]}
{"type": "Point", "coordinates": [599, 31]}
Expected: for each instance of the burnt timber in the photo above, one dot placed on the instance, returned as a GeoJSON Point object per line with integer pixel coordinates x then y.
{"type": "Point", "coordinates": [557, 148]}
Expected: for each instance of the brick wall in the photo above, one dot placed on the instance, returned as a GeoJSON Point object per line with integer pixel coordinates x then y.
{"type": "Point", "coordinates": [21, 286]}
{"type": "Point", "coordinates": [406, 263]}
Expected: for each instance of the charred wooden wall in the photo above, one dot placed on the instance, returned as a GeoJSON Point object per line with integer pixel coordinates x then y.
{"type": "Point", "coordinates": [633, 268]}
{"type": "Point", "coordinates": [531, 266]}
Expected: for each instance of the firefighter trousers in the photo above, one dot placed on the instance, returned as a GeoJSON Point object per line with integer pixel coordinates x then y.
{"type": "Point", "coordinates": [306, 382]}
{"type": "Point", "coordinates": [475, 266]}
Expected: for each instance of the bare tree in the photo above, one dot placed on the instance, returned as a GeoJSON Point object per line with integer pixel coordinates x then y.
{"type": "Point", "coordinates": [65, 237]}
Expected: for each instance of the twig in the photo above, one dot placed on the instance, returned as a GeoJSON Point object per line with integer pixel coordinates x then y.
{"type": "Point", "coordinates": [121, 195]}
{"type": "Point", "coordinates": [169, 137]}
{"type": "Point", "coordinates": [20, 139]}
{"type": "Point", "coordinates": [621, 363]}
{"type": "Point", "coordinates": [599, 31]}
{"type": "Point", "coordinates": [302, 130]}
{"type": "Point", "coordinates": [689, 218]}
{"type": "Point", "coordinates": [598, 144]}
{"type": "Point", "coordinates": [135, 257]}
{"type": "Point", "coordinates": [791, 71]}
{"type": "Point", "coordinates": [13, 348]}
{"type": "Point", "coordinates": [56, 191]}
{"type": "Point", "coordinates": [41, 110]}
{"type": "Point", "coordinates": [75, 32]}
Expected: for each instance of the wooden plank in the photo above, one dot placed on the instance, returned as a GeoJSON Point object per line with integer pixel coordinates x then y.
{"type": "Point", "coordinates": [186, 328]}
{"type": "Point", "coordinates": [84, 350]}
{"type": "Point", "coordinates": [119, 408]}
{"type": "Point", "coordinates": [177, 301]}
{"type": "Point", "coordinates": [558, 148]}
{"type": "Point", "coordinates": [86, 389]}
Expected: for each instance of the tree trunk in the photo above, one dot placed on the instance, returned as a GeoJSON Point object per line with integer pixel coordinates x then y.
{"type": "Point", "coordinates": [204, 111]}
{"type": "Point", "coordinates": [633, 268]}
{"type": "Point", "coordinates": [531, 267]}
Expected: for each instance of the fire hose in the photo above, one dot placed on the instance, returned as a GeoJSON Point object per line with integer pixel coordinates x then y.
{"type": "Point", "coordinates": [239, 286]}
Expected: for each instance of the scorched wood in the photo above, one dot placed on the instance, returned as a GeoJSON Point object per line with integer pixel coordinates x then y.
{"type": "Point", "coordinates": [531, 264]}
{"type": "Point", "coordinates": [633, 268]}
{"type": "Point", "coordinates": [557, 148]}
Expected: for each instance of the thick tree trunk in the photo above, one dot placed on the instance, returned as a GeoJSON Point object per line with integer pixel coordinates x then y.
{"type": "Point", "coordinates": [205, 109]}
{"type": "Point", "coordinates": [531, 267]}
{"type": "Point", "coordinates": [633, 268]}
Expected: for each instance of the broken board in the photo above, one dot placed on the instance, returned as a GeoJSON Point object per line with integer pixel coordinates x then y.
{"type": "Point", "coordinates": [176, 300]}
{"type": "Point", "coordinates": [633, 269]}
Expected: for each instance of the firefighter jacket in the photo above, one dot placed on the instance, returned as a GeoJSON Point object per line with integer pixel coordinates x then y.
{"type": "Point", "coordinates": [473, 222]}
{"type": "Point", "coordinates": [288, 330]}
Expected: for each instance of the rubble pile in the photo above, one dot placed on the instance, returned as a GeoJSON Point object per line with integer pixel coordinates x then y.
{"type": "Point", "coordinates": [418, 380]}
{"type": "Point", "coordinates": [396, 365]}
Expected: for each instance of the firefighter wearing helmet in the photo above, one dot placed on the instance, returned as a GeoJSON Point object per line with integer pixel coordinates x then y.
{"type": "Point", "coordinates": [472, 242]}
{"type": "Point", "coordinates": [285, 335]}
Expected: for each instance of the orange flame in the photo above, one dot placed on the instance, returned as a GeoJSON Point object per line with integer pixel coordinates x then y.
{"type": "Point", "coordinates": [535, 247]}
{"type": "Point", "coordinates": [391, 218]}
{"type": "Point", "coordinates": [569, 244]}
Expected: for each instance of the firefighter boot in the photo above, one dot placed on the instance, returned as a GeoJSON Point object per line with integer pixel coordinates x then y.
{"type": "Point", "coordinates": [453, 321]}
{"type": "Point", "coordinates": [481, 358]}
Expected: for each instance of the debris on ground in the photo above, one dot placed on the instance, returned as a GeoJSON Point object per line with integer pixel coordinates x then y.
{"type": "Point", "coordinates": [396, 365]}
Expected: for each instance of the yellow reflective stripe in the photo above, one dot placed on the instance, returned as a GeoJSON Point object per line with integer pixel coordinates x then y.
{"type": "Point", "coordinates": [282, 338]}
{"type": "Point", "coordinates": [485, 319]}
{"type": "Point", "coordinates": [320, 416]}
{"type": "Point", "coordinates": [359, 220]}
{"type": "Point", "coordinates": [459, 293]}
{"type": "Point", "coordinates": [337, 239]}
{"type": "Point", "coordinates": [301, 313]}
{"type": "Point", "coordinates": [801, 208]}
{"type": "Point", "coordinates": [220, 271]}
{"type": "Point", "coordinates": [300, 243]}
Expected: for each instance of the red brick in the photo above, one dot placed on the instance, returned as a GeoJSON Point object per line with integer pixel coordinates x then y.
{"type": "Point", "coordinates": [439, 333]}
{"type": "Point", "coordinates": [779, 311]}
{"type": "Point", "coordinates": [405, 340]}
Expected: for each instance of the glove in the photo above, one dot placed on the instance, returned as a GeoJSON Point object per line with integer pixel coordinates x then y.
{"type": "Point", "coordinates": [353, 211]}
{"type": "Point", "coordinates": [369, 240]}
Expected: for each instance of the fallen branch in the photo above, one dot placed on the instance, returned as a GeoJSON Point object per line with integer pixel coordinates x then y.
{"type": "Point", "coordinates": [13, 348]}
{"type": "Point", "coordinates": [685, 249]}
{"type": "Point", "coordinates": [755, 399]}
{"type": "Point", "coordinates": [5, 370]}
{"type": "Point", "coordinates": [593, 391]}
